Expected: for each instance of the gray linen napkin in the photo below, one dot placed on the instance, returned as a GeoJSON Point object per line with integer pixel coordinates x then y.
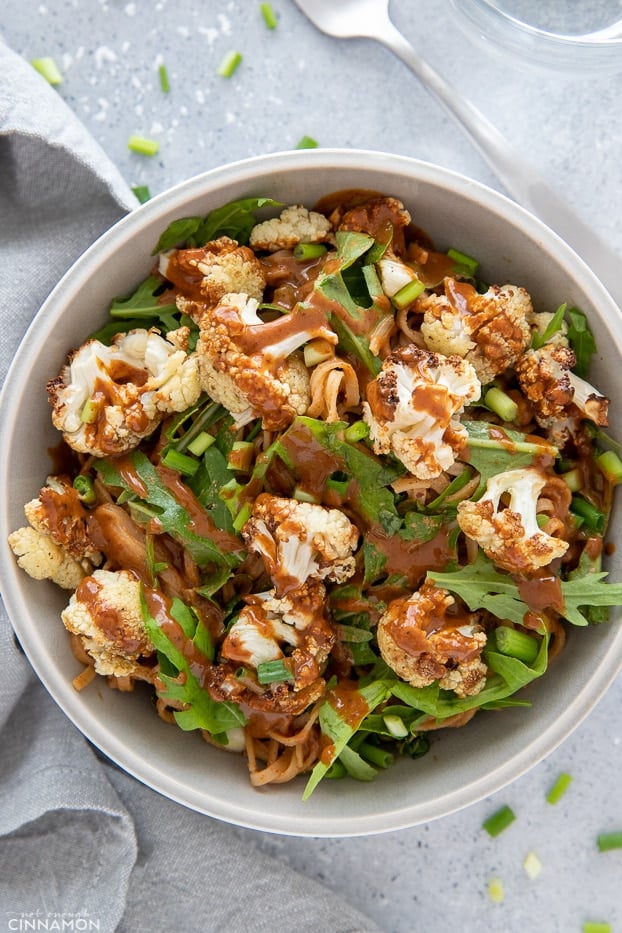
{"type": "Point", "coordinates": [82, 844]}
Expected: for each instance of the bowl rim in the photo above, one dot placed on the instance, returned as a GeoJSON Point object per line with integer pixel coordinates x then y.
{"type": "Point", "coordinates": [60, 689]}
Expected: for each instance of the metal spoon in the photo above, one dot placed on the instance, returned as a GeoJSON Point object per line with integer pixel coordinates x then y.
{"type": "Point", "coordinates": [348, 19]}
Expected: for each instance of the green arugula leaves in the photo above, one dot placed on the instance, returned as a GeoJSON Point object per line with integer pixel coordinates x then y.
{"type": "Point", "coordinates": [481, 586]}
{"type": "Point", "coordinates": [235, 220]}
{"type": "Point", "coordinates": [180, 684]}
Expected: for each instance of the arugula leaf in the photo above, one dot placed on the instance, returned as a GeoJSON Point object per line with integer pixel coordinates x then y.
{"type": "Point", "coordinates": [144, 305]}
{"type": "Point", "coordinates": [171, 515]}
{"type": "Point", "coordinates": [418, 526]}
{"type": "Point", "coordinates": [581, 340]}
{"type": "Point", "coordinates": [371, 499]}
{"type": "Point", "coordinates": [482, 586]}
{"type": "Point", "coordinates": [235, 220]}
{"type": "Point", "coordinates": [355, 344]}
{"type": "Point", "coordinates": [581, 594]}
{"type": "Point", "coordinates": [374, 562]}
{"type": "Point", "coordinates": [340, 730]}
{"type": "Point", "coordinates": [509, 676]}
{"type": "Point", "coordinates": [492, 450]}
{"type": "Point", "coordinates": [207, 482]}
{"type": "Point", "coordinates": [336, 284]}
{"type": "Point", "coordinates": [177, 232]}
{"type": "Point", "coordinates": [180, 684]}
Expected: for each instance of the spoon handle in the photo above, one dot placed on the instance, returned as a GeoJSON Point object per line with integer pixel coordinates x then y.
{"type": "Point", "coordinates": [518, 176]}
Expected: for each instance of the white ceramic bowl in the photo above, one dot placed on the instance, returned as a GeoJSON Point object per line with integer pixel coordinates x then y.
{"type": "Point", "coordinates": [464, 764]}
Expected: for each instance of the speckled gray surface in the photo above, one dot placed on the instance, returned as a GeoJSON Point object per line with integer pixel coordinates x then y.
{"type": "Point", "coordinates": [294, 81]}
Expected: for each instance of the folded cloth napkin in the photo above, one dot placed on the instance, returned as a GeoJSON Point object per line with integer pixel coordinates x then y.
{"type": "Point", "coordinates": [82, 844]}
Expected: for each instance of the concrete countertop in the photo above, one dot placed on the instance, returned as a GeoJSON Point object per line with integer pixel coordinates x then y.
{"type": "Point", "coordinates": [292, 82]}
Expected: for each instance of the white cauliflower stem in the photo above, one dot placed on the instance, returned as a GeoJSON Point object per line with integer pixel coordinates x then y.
{"type": "Point", "coordinates": [295, 225]}
{"type": "Point", "coordinates": [107, 399]}
{"type": "Point", "coordinates": [411, 408]}
{"type": "Point", "coordinates": [294, 626]}
{"type": "Point", "coordinates": [105, 613]}
{"type": "Point", "coordinates": [250, 367]}
{"type": "Point", "coordinates": [490, 330]}
{"type": "Point", "coordinates": [545, 377]}
{"type": "Point", "coordinates": [300, 541]}
{"type": "Point", "coordinates": [422, 641]}
{"type": "Point", "coordinates": [510, 536]}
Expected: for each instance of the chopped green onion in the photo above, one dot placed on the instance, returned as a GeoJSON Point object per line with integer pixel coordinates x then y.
{"type": "Point", "coordinates": [467, 263]}
{"type": "Point", "coordinates": [407, 294]}
{"type": "Point", "coordinates": [553, 327]}
{"type": "Point", "coordinates": [142, 193]}
{"type": "Point", "coordinates": [357, 431]}
{"type": "Point", "coordinates": [307, 142]}
{"type": "Point", "coordinates": [269, 16]}
{"type": "Point", "coordinates": [164, 82]}
{"type": "Point", "coordinates": [375, 755]}
{"type": "Point", "coordinates": [532, 865]}
{"type": "Point", "coordinates": [495, 890]}
{"type": "Point", "coordinates": [592, 517]}
{"type": "Point", "coordinates": [89, 412]}
{"type": "Point", "coordinates": [269, 672]}
{"type": "Point", "coordinates": [303, 496]}
{"type": "Point", "coordinates": [180, 462]}
{"type": "Point", "coordinates": [594, 926]}
{"type": "Point", "coordinates": [611, 466]}
{"type": "Point", "coordinates": [516, 644]}
{"type": "Point", "coordinates": [48, 69]}
{"type": "Point", "coordinates": [337, 770]}
{"type": "Point", "coordinates": [242, 517]}
{"type": "Point", "coordinates": [200, 443]}
{"type": "Point", "coordinates": [609, 841]}
{"type": "Point", "coordinates": [501, 404]}
{"type": "Point", "coordinates": [84, 486]}
{"type": "Point", "coordinates": [229, 64]}
{"type": "Point", "coordinates": [499, 821]}
{"type": "Point", "coordinates": [143, 146]}
{"type": "Point", "coordinates": [573, 479]}
{"type": "Point", "coordinates": [338, 482]}
{"type": "Point", "coordinates": [559, 788]}
{"type": "Point", "coordinates": [396, 726]}
{"type": "Point", "coordinates": [309, 250]}
{"type": "Point", "coordinates": [356, 766]}
{"type": "Point", "coordinates": [241, 456]}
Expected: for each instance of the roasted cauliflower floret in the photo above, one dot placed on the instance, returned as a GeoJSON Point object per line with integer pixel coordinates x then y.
{"type": "Point", "coordinates": [107, 399]}
{"type": "Point", "coordinates": [250, 367]}
{"type": "Point", "coordinates": [205, 274]}
{"type": "Point", "coordinates": [411, 408]}
{"type": "Point", "coordinates": [295, 225]}
{"type": "Point", "coordinates": [300, 541]}
{"type": "Point", "coordinates": [423, 638]}
{"type": "Point", "coordinates": [556, 394]}
{"type": "Point", "coordinates": [105, 613]}
{"type": "Point", "coordinates": [59, 513]}
{"type": "Point", "coordinates": [509, 534]}
{"type": "Point", "coordinates": [43, 559]}
{"type": "Point", "coordinates": [490, 331]}
{"type": "Point", "coordinates": [377, 216]}
{"type": "Point", "coordinates": [56, 545]}
{"type": "Point", "coordinates": [293, 627]}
